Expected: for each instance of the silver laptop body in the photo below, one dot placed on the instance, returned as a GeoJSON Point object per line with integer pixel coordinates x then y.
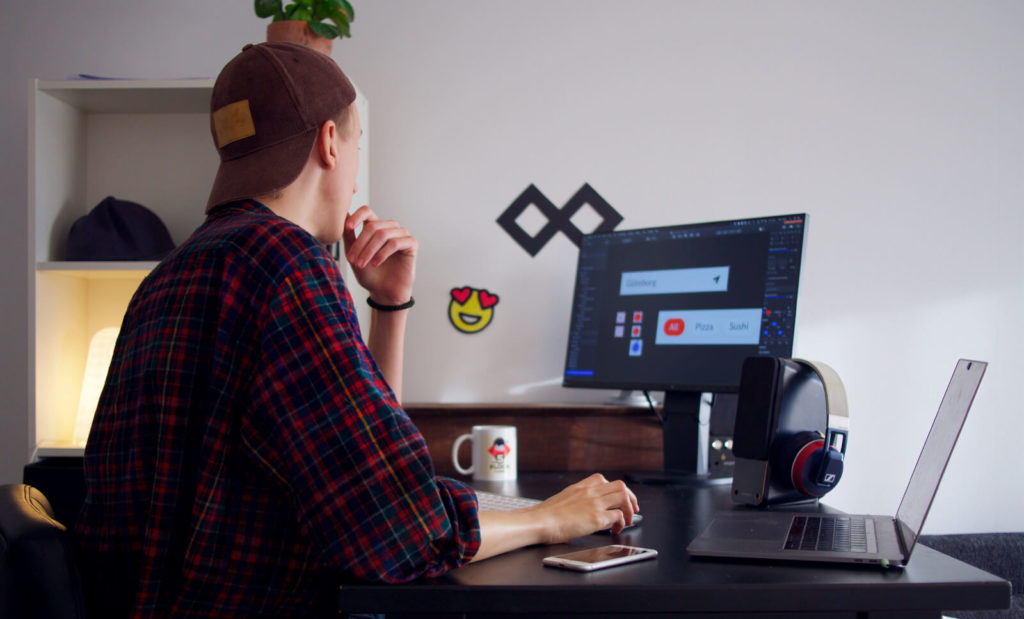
{"type": "Point", "coordinates": [882, 540]}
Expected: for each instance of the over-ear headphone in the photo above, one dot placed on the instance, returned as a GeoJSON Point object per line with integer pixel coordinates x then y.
{"type": "Point", "coordinates": [808, 461]}
{"type": "Point", "coordinates": [803, 462]}
{"type": "Point", "coordinates": [791, 431]}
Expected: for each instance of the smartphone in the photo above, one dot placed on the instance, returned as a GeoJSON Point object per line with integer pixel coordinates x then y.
{"type": "Point", "coordinates": [599, 558]}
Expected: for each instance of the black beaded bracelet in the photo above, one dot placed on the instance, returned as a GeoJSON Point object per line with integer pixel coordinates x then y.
{"type": "Point", "coordinates": [391, 308]}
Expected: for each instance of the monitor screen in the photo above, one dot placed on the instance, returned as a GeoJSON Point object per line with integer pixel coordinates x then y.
{"type": "Point", "coordinates": [679, 308]}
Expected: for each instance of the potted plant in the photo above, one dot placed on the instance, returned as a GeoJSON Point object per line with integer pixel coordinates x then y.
{"type": "Point", "coordinates": [314, 23]}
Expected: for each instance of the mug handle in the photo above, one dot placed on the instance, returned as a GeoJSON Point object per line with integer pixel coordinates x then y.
{"type": "Point", "coordinates": [455, 455]}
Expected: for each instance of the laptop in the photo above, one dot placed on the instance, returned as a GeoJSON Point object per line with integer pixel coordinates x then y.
{"type": "Point", "coordinates": [843, 538]}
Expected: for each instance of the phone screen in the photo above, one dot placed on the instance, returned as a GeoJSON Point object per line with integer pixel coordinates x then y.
{"type": "Point", "coordinates": [595, 555]}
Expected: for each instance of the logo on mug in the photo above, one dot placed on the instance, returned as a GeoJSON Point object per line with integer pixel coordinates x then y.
{"type": "Point", "coordinates": [498, 451]}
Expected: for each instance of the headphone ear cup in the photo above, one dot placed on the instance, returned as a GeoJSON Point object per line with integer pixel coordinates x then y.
{"type": "Point", "coordinates": [819, 472]}
{"type": "Point", "coordinates": [806, 465]}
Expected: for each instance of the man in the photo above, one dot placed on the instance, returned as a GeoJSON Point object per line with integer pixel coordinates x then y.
{"type": "Point", "coordinates": [249, 451]}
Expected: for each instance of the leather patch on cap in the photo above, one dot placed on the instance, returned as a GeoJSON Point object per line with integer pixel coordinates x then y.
{"type": "Point", "coordinates": [233, 122]}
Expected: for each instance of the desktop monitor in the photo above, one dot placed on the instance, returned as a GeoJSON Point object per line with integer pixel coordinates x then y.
{"type": "Point", "coordinates": [678, 309]}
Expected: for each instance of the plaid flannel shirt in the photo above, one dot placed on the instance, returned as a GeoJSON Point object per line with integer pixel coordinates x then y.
{"type": "Point", "coordinates": [247, 455]}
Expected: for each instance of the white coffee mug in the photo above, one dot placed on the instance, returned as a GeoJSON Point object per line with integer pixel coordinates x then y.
{"type": "Point", "coordinates": [494, 453]}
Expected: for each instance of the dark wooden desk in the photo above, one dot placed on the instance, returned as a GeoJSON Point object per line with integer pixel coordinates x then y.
{"type": "Point", "coordinates": [517, 583]}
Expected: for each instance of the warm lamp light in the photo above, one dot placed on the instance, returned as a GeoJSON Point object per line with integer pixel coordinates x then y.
{"type": "Point", "coordinates": [101, 351]}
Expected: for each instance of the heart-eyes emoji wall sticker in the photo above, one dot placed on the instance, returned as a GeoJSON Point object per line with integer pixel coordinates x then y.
{"type": "Point", "coordinates": [471, 309]}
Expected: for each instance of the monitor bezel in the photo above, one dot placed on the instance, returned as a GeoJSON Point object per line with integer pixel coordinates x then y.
{"type": "Point", "coordinates": [567, 380]}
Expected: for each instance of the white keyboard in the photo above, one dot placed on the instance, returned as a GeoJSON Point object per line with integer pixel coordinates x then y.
{"type": "Point", "coordinates": [491, 501]}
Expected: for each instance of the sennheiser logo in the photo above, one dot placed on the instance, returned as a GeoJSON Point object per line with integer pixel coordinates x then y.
{"type": "Point", "coordinates": [830, 478]}
{"type": "Point", "coordinates": [559, 219]}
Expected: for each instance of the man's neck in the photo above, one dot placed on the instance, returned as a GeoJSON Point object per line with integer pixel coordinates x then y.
{"type": "Point", "coordinates": [294, 205]}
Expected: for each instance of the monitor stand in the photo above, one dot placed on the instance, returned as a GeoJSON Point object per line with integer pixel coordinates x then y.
{"type": "Point", "coordinates": [629, 398]}
{"type": "Point", "coordinates": [685, 441]}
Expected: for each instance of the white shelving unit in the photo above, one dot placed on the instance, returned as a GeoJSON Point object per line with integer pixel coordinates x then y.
{"type": "Point", "coordinates": [147, 141]}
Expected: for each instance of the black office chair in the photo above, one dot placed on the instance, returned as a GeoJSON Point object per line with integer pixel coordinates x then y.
{"type": "Point", "coordinates": [38, 574]}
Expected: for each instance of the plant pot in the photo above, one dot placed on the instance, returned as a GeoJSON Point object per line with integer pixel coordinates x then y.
{"type": "Point", "coordinates": [293, 31]}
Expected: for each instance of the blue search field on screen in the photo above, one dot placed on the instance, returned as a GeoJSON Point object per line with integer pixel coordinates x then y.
{"type": "Point", "coordinates": [674, 281]}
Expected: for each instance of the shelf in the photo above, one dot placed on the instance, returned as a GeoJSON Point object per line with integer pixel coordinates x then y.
{"type": "Point", "coordinates": [525, 409]}
{"type": "Point", "coordinates": [146, 141]}
{"type": "Point", "coordinates": [98, 269]}
{"type": "Point", "coordinates": [552, 437]}
{"type": "Point", "coordinates": [59, 450]}
{"type": "Point", "coordinates": [132, 96]}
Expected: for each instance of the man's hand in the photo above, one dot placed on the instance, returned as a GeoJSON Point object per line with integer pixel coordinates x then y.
{"type": "Point", "coordinates": [591, 505]}
{"type": "Point", "coordinates": [382, 256]}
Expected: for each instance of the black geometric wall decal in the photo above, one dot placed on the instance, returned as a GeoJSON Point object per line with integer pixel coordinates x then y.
{"type": "Point", "coordinates": [559, 219]}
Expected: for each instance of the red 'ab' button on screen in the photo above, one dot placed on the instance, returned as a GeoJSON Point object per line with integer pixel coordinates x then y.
{"type": "Point", "coordinates": [674, 326]}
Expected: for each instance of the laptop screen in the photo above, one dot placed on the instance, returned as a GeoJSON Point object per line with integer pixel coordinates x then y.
{"type": "Point", "coordinates": [931, 464]}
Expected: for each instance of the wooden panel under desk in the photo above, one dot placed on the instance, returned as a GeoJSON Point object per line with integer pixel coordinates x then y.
{"type": "Point", "coordinates": [552, 437]}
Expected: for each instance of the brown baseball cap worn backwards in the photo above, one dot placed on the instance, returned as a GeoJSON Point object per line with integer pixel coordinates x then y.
{"type": "Point", "coordinates": [267, 105]}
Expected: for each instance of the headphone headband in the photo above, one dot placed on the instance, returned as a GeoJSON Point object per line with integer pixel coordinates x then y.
{"type": "Point", "coordinates": [835, 393]}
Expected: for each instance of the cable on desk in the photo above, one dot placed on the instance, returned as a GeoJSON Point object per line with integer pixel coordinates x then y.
{"type": "Point", "coordinates": [654, 409]}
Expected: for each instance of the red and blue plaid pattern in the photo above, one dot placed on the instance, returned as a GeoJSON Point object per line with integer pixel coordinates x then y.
{"type": "Point", "coordinates": [247, 455]}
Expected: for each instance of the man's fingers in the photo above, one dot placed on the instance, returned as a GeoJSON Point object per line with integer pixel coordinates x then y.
{"type": "Point", "coordinates": [619, 523]}
{"type": "Point", "coordinates": [393, 246]}
{"type": "Point", "coordinates": [611, 496]}
{"type": "Point", "coordinates": [376, 236]}
{"type": "Point", "coordinates": [621, 499]}
{"type": "Point", "coordinates": [594, 480]}
{"type": "Point", "coordinates": [352, 222]}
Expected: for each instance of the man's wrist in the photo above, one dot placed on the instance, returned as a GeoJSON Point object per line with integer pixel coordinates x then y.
{"type": "Point", "coordinates": [387, 307]}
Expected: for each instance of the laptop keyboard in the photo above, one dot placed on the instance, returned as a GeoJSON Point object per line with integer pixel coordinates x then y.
{"type": "Point", "coordinates": [835, 533]}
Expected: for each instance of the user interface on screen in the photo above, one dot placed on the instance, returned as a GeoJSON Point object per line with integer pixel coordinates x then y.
{"type": "Point", "coordinates": [681, 307]}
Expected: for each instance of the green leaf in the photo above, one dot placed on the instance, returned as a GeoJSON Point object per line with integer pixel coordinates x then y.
{"type": "Point", "coordinates": [339, 17]}
{"type": "Point", "coordinates": [347, 7]}
{"type": "Point", "coordinates": [325, 9]}
{"type": "Point", "coordinates": [325, 30]}
{"type": "Point", "coordinates": [302, 14]}
{"type": "Point", "coordinates": [341, 20]}
{"type": "Point", "coordinates": [289, 11]}
{"type": "Point", "coordinates": [267, 8]}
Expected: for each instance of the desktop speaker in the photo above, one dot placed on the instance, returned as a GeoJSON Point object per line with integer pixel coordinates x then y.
{"type": "Point", "coordinates": [791, 431]}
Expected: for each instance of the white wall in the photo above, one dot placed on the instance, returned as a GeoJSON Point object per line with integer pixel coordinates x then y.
{"type": "Point", "coordinates": [897, 126]}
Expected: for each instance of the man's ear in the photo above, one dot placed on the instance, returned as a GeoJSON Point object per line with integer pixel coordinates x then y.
{"type": "Point", "coordinates": [325, 144]}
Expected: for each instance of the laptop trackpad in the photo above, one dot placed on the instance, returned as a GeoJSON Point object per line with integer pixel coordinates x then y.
{"type": "Point", "coordinates": [754, 529]}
